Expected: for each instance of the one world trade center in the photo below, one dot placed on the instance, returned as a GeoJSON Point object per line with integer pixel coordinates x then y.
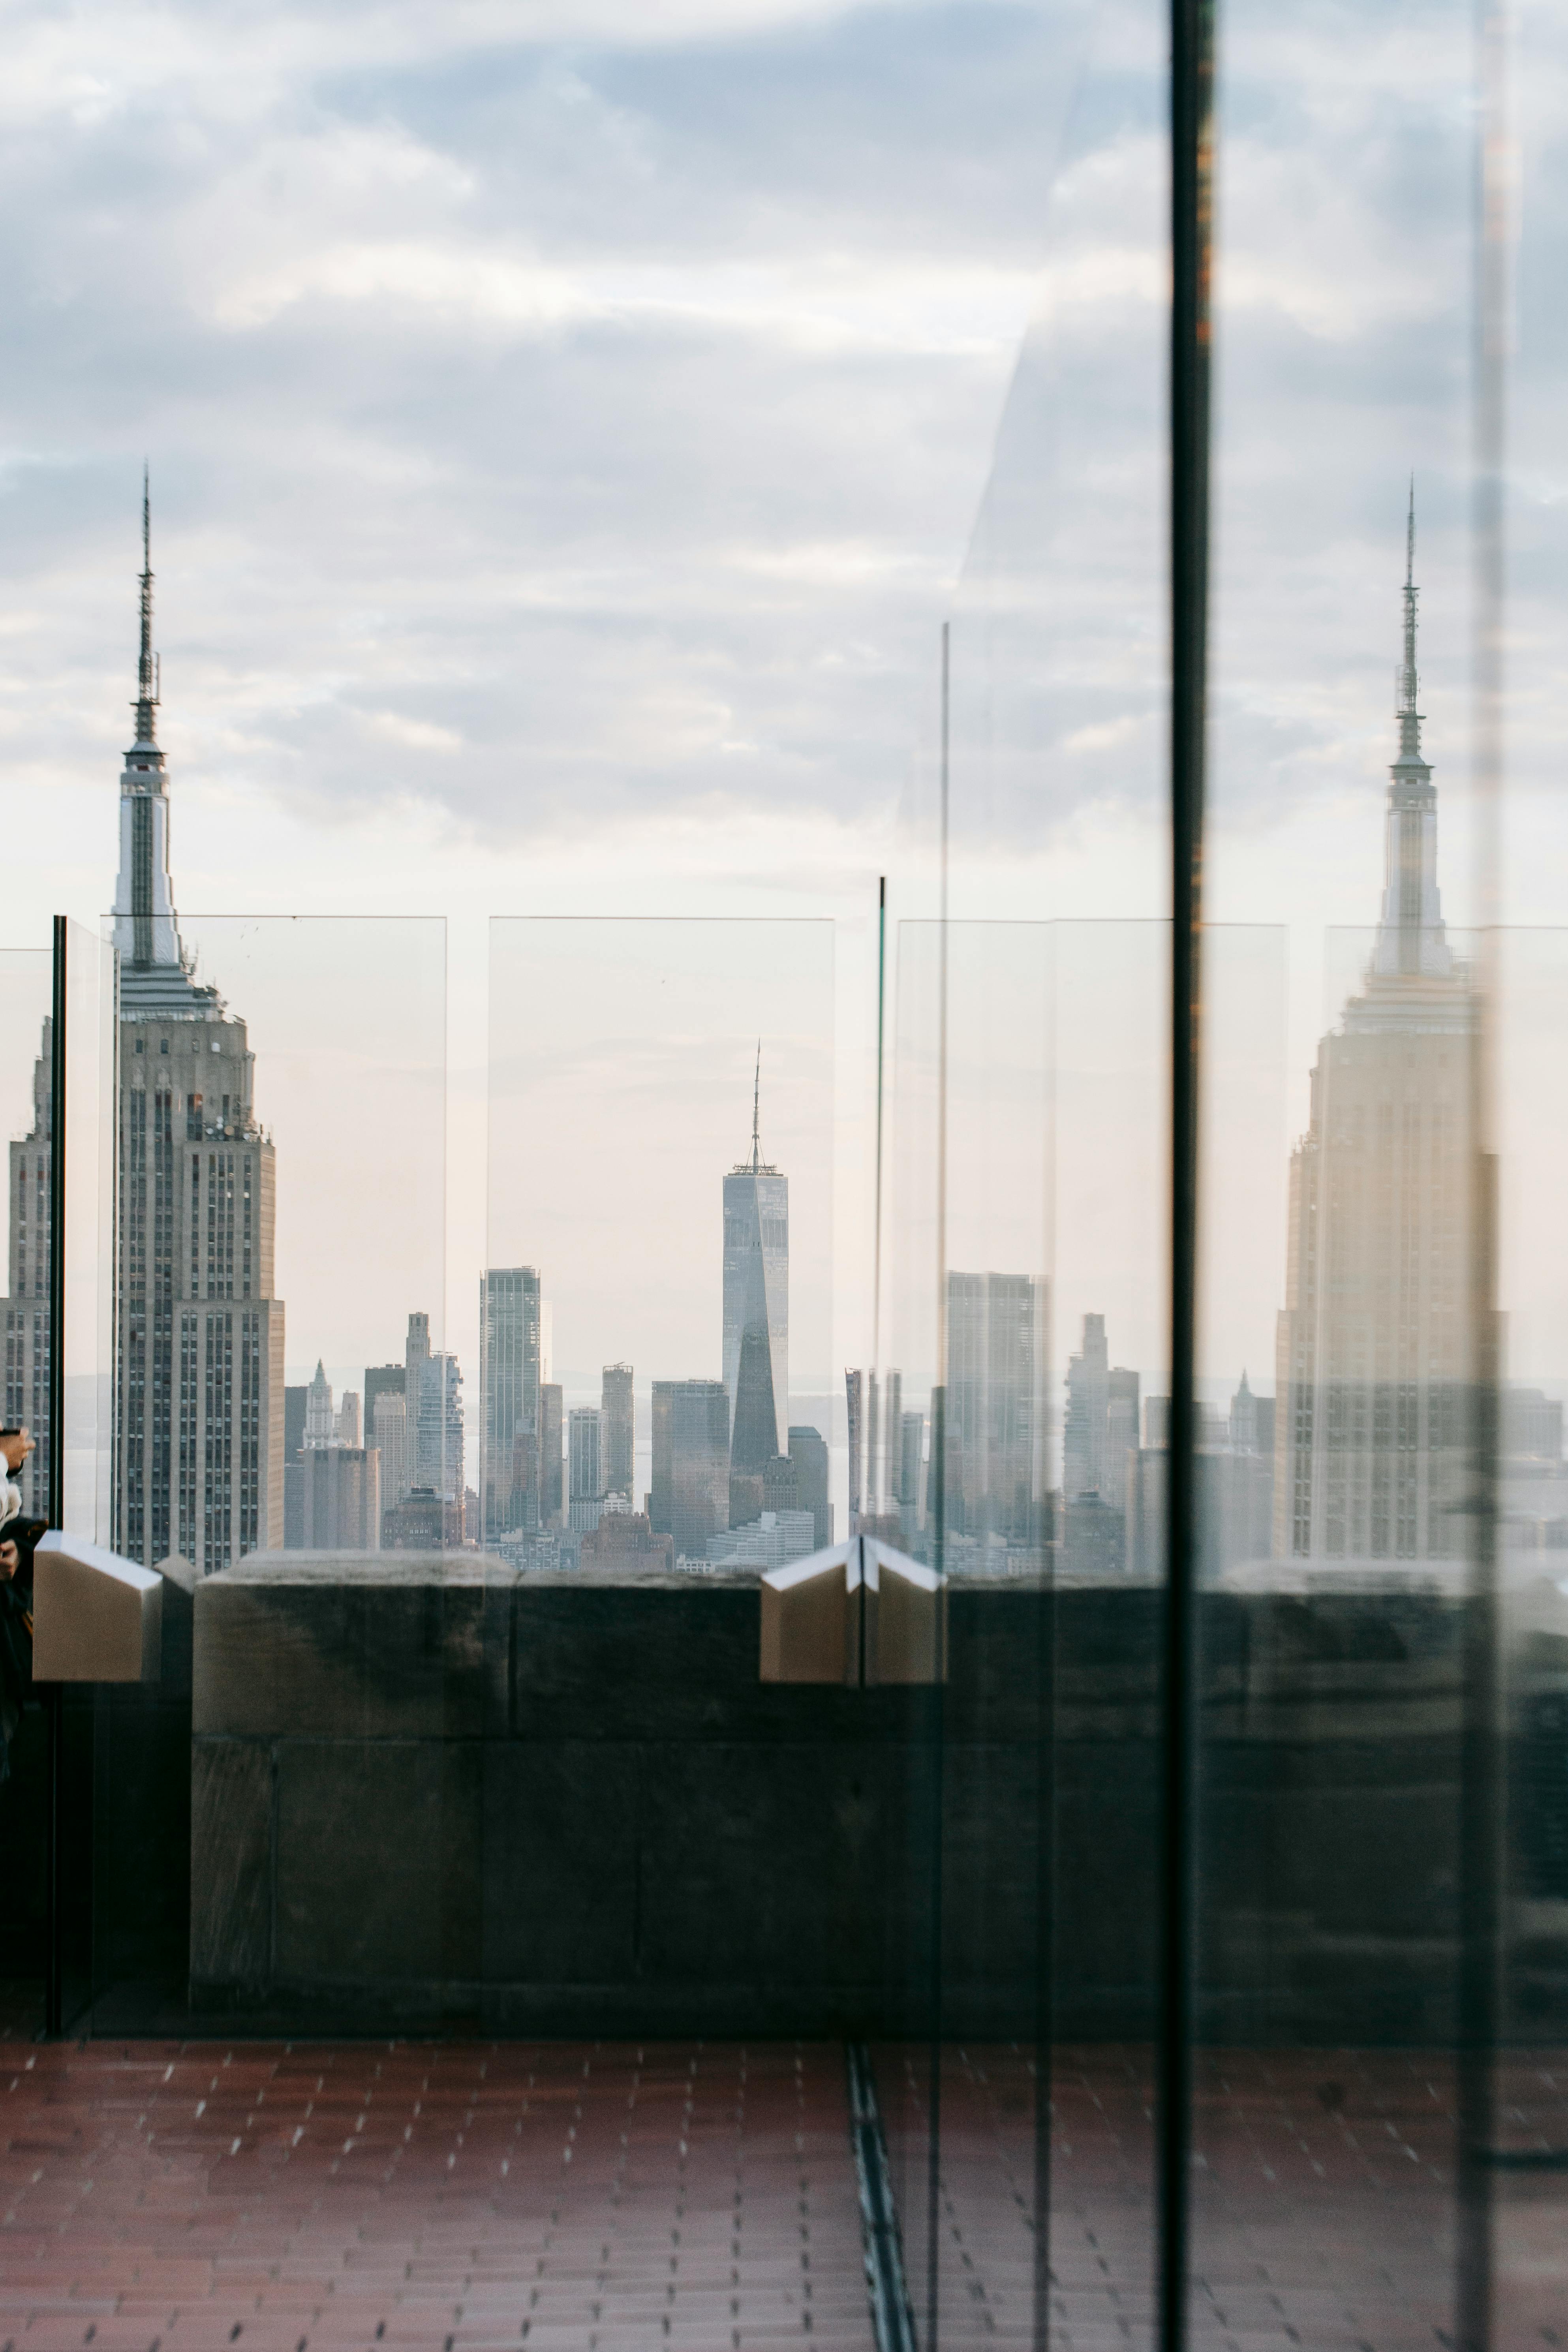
{"type": "Point", "coordinates": [756, 1319]}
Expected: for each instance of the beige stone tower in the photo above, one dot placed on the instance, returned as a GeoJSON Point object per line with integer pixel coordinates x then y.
{"type": "Point", "coordinates": [1377, 1354]}
{"type": "Point", "coordinates": [199, 1369]}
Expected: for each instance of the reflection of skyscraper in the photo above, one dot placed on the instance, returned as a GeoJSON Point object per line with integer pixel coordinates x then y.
{"type": "Point", "coordinates": [615, 1402]}
{"type": "Point", "coordinates": [509, 1404]}
{"type": "Point", "coordinates": [995, 1406]}
{"type": "Point", "coordinates": [690, 1497]}
{"type": "Point", "coordinates": [1376, 1353]}
{"type": "Point", "coordinates": [199, 1425]}
{"type": "Point", "coordinates": [756, 1308]}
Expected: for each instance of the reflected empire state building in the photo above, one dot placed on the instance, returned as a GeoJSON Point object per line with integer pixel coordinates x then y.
{"type": "Point", "coordinates": [1376, 1354]}
{"type": "Point", "coordinates": [199, 1423]}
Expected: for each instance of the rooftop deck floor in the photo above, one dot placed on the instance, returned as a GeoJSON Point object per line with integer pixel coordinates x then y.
{"type": "Point", "coordinates": [275, 2197]}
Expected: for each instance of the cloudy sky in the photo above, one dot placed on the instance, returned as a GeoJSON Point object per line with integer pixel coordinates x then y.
{"type": "Point", "coordinates": [570, 420]}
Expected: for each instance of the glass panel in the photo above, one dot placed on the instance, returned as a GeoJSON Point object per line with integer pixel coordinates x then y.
{"type": "Point", "coordinates": [26, 987]}
{"type": "Point", "coordinates": [90, 1007]}
{"type": "Point", "coordinates": [1349, 1273]}
{"type": "Point", "coordinates": [281, 1267]}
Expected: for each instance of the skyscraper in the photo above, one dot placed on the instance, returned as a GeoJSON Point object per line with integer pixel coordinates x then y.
{"type": "Point", "coordinates": [996, 1406]}
{"type": "Point", "coordinates": [690, 1492]}
{"type": "Point", "coordinates": [433, 1397]}
{"type": "Point", "coordinates": [508, 1401]}
{"type": "Point", "coordinates": [389, 1436]}
{"type": "Point", "coordinates": [1101, 1420]}
{"type": "Point", "coordinates": [808, 1452]}
{"type": "Point", "coordinates": [319, 1417]}
{"type": "Point", "coordinates": [756, 1313]}
{"type": "Point", "coordinates": [1377, 1353]}
{"type": "Point", "coordinates": [383, 1380]}
{"type": "Point", "coordinates": [200, 1374]}
{"type": "Point", "coordinates": [584, 1453]}
{"type": "Point", "coordinates": [616, 1403]}
{"type": "Point", "coordinates": [551, 1432]}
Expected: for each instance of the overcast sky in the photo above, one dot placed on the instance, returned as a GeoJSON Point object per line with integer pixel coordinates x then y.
{"type": "Point", "coordinates": [571, 422]}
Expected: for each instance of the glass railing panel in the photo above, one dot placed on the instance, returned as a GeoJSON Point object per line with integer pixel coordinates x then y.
{"type": "Point", "coordinates": [673, 1844]}
{"type": "Point", "coordinates": [1333, 1681]}
{"type": "Point", "coordinates": [1526, 2094]}
{"type": "Point", "coordinates": [277, 1834]}
{"type": "Point", "coordinates": [26, 990]}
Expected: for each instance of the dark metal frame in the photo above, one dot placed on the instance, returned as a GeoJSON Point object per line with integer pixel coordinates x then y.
{"type": "Point", "coordinates": [1192, 99]}
{"type": "Point", "coordinates": [53, 1694]}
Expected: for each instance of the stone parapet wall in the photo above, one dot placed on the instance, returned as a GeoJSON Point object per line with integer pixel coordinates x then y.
{"type": "Point", "coordinates": [429, 1792]}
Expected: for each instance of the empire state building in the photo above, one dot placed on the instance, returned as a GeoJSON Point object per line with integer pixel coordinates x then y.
{"type": "Point", "coordinates": [1376, 1349]}
{"type": "Point", "coordinates": [199, 1386]}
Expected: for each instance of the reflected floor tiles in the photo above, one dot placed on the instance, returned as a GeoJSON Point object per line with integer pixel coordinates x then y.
{"type": "Point", "coordinates": [1322, 2212]}
{"type": "Point", "coordinates": [269, 2197]}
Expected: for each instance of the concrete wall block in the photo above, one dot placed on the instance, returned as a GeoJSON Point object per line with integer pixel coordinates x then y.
{"type": "Point", "coordinates": [352, 1660]}
{"type": "Point", "coordinates": [231, 1862]}
{"type": "Point", "coordinates": [560, 1862]}
{"type": "Point", "coordinates": [378, 1860]}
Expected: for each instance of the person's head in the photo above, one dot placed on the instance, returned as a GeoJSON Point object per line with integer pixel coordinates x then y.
{"type": "Point", "coordinates": [15, 1444]}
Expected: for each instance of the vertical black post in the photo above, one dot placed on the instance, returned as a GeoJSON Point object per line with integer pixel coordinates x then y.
{"type": "Point", "coordinates": [882, 1039]}
{"type": "Point", "coordinates": [1191, 74]}
{"type": "Point", "coordinates": [936, 1496]}
{"type": "Point", "coordinates": [54, 2001]}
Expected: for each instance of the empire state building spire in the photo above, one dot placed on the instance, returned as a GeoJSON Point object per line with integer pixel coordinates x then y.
{"type": "Point", "coordinates": [147, 696]}
{"type": "Point", "coordinates": [1411, 939]}
{"type": "Point", "coordinates": [155, 974]}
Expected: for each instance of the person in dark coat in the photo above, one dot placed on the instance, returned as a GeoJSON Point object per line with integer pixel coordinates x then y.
{"type": "Point", "coordinates": [18, 1541]}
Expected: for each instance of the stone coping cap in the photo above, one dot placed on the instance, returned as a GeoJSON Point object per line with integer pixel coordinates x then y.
{"type": "Point", "coordinates": [395, 1569]}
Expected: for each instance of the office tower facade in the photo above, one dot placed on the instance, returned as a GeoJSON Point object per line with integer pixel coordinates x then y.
{"type": "Point", "coordinates": [995, 1407]}
{"type": "Point", "coordinates": [552, 1438]}
{"type": "Point", "coordinates": [689, 1496]}
{"type": "Point", "coordinates": [873, 1444]}
{"type": "Point", "coordinates": [27, 1289]}
{"type": "Point", "coordinates": [756, 1308]}
{"type": "Point", "coordinates": [1377, 1354]}
{"type": "Point", "coordinates": [389, 1436]}
{"type": "Point", "coordinates": [382, 1380]}
{"type": "Point", "coordinates": [1531, 1427]}
{"type": "Point", "coordinates": [853, 1405]}
{"type": "Point", "coordinates": [1102, 1420]}
{"type": "Point", "coordinates": [911, 1471]}
{"type": "Point", "coordinates": [341, 1498]}
{"type": "Point", "coordinates": [616, 1403]}
{"type": "Point", "coordinates": [347, 1429]}
{"type": "Point", "coordinates": [199, 1431]}
{"type": "Point", "coordinates": [892, 1422]}
{"type": "Point", "coordinates": [438, 1432]}
{"type": "Point", "coordinates": [808, 1452]}
{"type": "Point", "coordinates": [584, 1463]}
{"type": "Point", "coordinates": [415, 1356]}
{"type": "Point", "coordinates": [509, 1367]}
